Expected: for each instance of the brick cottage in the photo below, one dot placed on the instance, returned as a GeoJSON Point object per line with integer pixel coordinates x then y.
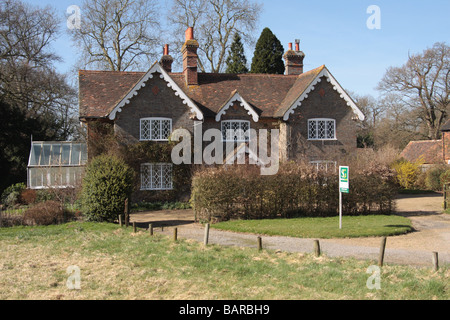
{"type": "Point", "coordinates": [316, 118]}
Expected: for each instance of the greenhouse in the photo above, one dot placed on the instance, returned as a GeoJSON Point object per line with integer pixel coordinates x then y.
{"type": "Point", "coordinates": [56, 164]}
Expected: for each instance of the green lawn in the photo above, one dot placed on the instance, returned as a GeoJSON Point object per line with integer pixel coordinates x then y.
{"type": "Point", "coordinates": [324, 228]}
{"type": "Point", "coordinates": [114, 263]}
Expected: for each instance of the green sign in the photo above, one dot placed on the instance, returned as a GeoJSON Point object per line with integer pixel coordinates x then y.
{"type": "Point", "coordinates": [344, 185]}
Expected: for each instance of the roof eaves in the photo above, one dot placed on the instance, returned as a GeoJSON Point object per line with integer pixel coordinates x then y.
{"type": "Point", "coordinates": [141, 83]}
{"type": "Point", "coordinates": [321, 72]}
{"type": "Point", "coordinates": [235, 96]}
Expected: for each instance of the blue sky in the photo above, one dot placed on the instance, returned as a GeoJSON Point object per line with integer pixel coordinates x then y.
{"type": "Point", "coordinates": [333, 33]}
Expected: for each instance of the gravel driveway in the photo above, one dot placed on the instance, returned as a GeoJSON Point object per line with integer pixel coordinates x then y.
{"type": "Point", "coordinates": [432, 233]}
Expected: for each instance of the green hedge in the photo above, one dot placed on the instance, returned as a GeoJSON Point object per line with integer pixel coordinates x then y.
{"type": "Point", "coordinates": [241, 192]}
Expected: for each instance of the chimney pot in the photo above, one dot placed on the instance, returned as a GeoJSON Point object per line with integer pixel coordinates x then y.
{"type": "Point", "coordinates": [290, 45]}
{"type": "Point", "coordinates": [189, 33]}
{"type": "Point", "coordinates": [297, 45]}
{"type": "Point", "coordinates": [166, 50]}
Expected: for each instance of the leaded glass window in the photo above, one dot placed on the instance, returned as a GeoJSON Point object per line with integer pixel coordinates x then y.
{"type": "Point", "coordinates": [156, 176]}
{"type": "Point", "coordinates": [321, 129]}
{"type": "Point", "coordinates": [155, 129]}
{"type": "Point", "coordinates": [235, 130]}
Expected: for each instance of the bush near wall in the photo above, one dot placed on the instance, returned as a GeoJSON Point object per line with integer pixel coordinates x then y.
{"type": "Point", "coordinates": [108, 181]}
{"type": "Point", "coordinates": [241, 192]}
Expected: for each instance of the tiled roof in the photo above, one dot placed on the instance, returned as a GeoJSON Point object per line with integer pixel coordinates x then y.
{"type": "Point", "coordinates": [428, 151]}
{"type": "Point", "coordinates": [269, 95]}
{"type": "Point", "coordinates": [101, 91]}
{"type": "Point", "coordinates": [446, 126]}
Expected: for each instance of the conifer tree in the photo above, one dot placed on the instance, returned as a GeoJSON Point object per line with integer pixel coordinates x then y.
{"type": "Point", "coordinates": [268, 57]}
{"type": "Point", "coordinates": [236, 61]}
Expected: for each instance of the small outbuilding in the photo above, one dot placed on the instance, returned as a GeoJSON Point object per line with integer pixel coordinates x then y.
{"type": "Point", "coordinates": [56, 164]}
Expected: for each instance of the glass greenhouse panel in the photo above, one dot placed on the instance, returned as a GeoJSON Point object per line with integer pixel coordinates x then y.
{"type": "Point", "coordinates": [56, 164]}
{"type": "Point", "coordinates": [65, 155]}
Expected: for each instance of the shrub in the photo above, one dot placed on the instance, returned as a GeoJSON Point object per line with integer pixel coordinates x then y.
{"type": "Point", "coordinates": [45, 213]}
{"type": "Point", "coordinates": [107, 183]}
{"type": "Point", "coordinates": [407, 173]}
{"type": "Point", "coordinates": [15, 190]}
{"type": "Point", "coordinates": [433, 178]}
{"type": "Point", "coordinates": [445, 177]}
{"type": "Point", "coordinates": [28, 196]}
{"type": "Point", "coordinates": [240, 192]}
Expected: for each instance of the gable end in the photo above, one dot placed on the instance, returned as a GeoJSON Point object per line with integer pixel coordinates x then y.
{"type": "Point", "coordinates": [237, 97]}
{"type": "Point", "coordinates": [336, 86]}
{"type": "Point", "coordinates": [170, 83]}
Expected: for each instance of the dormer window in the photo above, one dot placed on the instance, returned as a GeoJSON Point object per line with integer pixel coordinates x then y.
{"type": "Point", "coordinates": [155, 129]}
{"type": "Point", "coordinates": [235, 131]}
{"type": "Point", "coordinates": [321, 129]}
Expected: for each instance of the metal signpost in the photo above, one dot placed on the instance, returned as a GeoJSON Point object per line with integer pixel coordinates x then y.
{"type": "Point", "coordinates": [344, 187]}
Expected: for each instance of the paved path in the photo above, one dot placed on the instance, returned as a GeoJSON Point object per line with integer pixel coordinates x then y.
{"type": "Point", "coordinates": [432, 234]}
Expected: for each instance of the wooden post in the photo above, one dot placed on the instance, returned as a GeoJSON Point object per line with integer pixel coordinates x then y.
{"type": "Point", "coordinates": [317, 248]}
{"type": "Point", "coordinates": [175, 234]}
{"type": "Point", "coordinates": [259, 243]}
{"type": "Point", "coordinates": [445, 196]}
{"type": "Point", "coordinates": [127, 213]}
{"type": "Point", "coordinates": [120, 220]}
{"type": "Point", "coordinates": [206, 238]}
{"type": "Point", "coordinates": [435, 259]}
{"type": "Point", "coordinates": [382, 250]}
{"type": "Point", "coordinates": [150, 229]}
{"type": "Point", "coordinates": [134, 226]}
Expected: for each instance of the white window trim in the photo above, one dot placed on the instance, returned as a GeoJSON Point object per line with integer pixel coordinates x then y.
{"type": "Point", "coordinates": [239, 121]}
{"type": "Point", "coordinates": [163, 187]}
{"type": "Point", "coordinates": [316, 120]}
{"type": "Point", "coordinates": [141, 138]}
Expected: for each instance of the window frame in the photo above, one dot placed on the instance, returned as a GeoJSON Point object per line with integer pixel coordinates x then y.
{"type": "Point", "coordinates": [150, 119]}
{"type": "Point", "coordinates": [246, 134]}
{"type": "Point", "coordinates": [316, 121]}
{"type": "Point", "coordinates": [148, 187]}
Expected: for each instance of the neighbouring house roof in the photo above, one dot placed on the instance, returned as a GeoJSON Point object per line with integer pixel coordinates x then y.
{"type": "Point", "coordinates": [427, 152]}
{"type": "Point", "coordinates": [103, 93]}
{"type": "Point", "coordinates": [446, 127]}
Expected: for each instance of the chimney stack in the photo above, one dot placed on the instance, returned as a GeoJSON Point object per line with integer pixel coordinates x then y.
{"type": "Point", "coordinates": [294, 59]}
{"type": "Point", "coordinates": [166, 60]}
{"type": "Point", "coordinates": [190, 57]}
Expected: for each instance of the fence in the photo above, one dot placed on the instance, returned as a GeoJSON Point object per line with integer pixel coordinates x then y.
{"type": "Point", "coordinates": [314, 244]}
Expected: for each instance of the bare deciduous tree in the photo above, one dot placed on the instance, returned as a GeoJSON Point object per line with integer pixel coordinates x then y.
{"type": "Point", "coordinates": [118, 35]}
{"type": "Point", "coordinates": [423, 84]}
{"type": "Point", "coordinates": [215, 23]}
{"type": "Point", "coordinates": [28, 80]}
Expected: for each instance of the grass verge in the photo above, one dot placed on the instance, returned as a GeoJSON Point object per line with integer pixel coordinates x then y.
{"type": "Point", "coordinates": [324, 228]}
{"type": "Point", "coordinates": [117, 264]}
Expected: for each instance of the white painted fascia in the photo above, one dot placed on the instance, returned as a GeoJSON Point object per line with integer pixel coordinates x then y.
{"type": "Point", "coordinates": [170, 83]}
{"type": "Point", "coordinates": [243, 103]}
{"type": "Point", "coordinates": [336, 86]}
